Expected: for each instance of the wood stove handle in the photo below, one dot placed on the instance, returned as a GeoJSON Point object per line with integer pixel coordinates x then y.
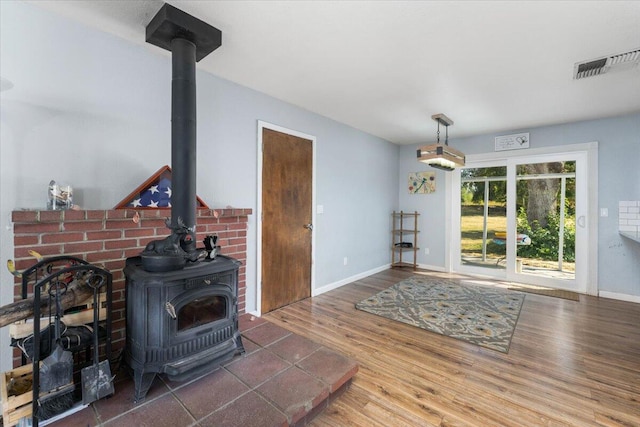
{"type": "Point", "coordinates": [171, 310]}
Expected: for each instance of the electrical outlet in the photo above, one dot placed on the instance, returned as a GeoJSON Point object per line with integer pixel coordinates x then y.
{"type": "Point", "coordinates": [346, 260]}
{"type": "Point", "coordinates": [426, 251]}
{"type": "Point", "coordinates": [604, 212]}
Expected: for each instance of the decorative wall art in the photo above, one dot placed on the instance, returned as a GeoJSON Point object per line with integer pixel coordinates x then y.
{"type": "Point", "coordinates": [517, 141]}
{"type": "Point", "coordinates": [422, 182]}
{"type": "Point", "coordinates": [154, 193]}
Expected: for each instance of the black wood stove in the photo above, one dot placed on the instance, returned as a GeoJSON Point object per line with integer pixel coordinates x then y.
{"type": "Point", "coordinates": [181, 322]}
{"type": "Point", "coordinates": [182, 308]}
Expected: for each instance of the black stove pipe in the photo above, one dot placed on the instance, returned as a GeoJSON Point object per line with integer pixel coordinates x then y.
{"type": "Point", "coordinates": [189, 40]}
{"type": "Point", "coordinates": [183, 139]}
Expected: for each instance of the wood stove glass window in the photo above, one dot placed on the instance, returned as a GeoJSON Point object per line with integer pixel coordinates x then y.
{"type": "Point", "coordinates": [201, 311]}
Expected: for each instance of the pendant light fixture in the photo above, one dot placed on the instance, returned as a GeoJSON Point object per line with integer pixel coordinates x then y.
{"type": "Point", "coordinates": [438, 155]}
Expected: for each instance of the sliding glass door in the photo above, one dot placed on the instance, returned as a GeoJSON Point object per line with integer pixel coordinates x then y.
{"type": "Point", "coordinates": [523, 219]}
{"type": "Point", "coordinates": [483, 216]}
{"type": "Point", "coordinates": [546, 219]}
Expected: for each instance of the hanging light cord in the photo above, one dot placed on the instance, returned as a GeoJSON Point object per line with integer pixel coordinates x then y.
{"type": "Point", "coordinates": [446, 138]}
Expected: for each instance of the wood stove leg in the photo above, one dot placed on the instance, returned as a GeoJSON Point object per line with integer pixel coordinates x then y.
{"type": "Point", "coordinates": [239, 345]}
{"type": "Point", "coordinates": [142, 382]}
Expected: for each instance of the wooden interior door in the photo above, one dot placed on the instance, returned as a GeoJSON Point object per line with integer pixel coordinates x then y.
{"type": "Point", "coordinates": [287, 173]}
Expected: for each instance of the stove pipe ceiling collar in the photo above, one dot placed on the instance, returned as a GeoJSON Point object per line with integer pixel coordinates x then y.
{"type": "Point", "coordinates": [438, 155]}
{"type": "Point", "coordinates": [171, 23]}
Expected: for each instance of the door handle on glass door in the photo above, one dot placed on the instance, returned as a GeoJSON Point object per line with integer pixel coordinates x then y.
{"type": "Point", "coordinates": [581, 221]}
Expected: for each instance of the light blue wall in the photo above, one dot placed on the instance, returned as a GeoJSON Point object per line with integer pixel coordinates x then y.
{"type": "Point", "coordinates": [618, 179]}
{"type": "Point", "coordinates": [92, 110]}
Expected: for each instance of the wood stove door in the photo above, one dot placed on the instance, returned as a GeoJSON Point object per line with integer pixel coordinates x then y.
{"type": "Point", "coordinates": [287, 177]}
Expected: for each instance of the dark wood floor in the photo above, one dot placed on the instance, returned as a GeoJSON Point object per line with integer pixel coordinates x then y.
{"type": "Point", "coordinates": [570, 364]}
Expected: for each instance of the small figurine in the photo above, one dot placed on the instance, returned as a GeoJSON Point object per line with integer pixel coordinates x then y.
{"type": "Point", "coordinates": [210, 244]}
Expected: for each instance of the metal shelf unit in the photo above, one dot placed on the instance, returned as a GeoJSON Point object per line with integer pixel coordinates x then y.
{"type": "Point", "coordinates": [404, 238]}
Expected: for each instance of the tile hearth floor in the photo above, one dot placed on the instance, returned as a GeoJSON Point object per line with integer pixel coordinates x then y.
{"type": "Point", "coordinates": [283, 379]}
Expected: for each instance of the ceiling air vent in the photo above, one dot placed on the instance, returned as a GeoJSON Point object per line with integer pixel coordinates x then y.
{"type": "Point", "coordinates": [605, 64]}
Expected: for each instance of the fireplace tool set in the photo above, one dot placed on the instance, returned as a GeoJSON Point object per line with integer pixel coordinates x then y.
{"type": "Point", "coordinates": [71, 309]}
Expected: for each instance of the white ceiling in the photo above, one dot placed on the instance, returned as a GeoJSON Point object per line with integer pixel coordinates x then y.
{"type": "Point", "coordinates": [385, 67]}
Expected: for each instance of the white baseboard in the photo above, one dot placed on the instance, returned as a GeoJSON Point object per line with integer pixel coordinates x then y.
{"type": "Point", "coordinates": [438, 268]}
{"type": "Point", "coordinates": [621, 297]}
{"type": "Point", "coordinates": [335, 285]}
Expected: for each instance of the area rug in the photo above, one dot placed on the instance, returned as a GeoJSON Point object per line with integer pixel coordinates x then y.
{"type": "Point", "coordinates": [549, 292]}
{"type": "Point", "coordinates": [482, 315]}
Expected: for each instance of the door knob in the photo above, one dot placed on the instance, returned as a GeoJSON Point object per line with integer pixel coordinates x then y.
{"type": "Point", "coordinates": [309, 226]}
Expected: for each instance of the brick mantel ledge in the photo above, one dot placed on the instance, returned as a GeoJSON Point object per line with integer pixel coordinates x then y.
{"type": "Point", "coordinates": [36, 215]}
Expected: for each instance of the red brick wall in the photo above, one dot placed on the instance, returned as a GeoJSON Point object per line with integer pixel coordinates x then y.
{"type": "Point", "coordinates": [107, 237]}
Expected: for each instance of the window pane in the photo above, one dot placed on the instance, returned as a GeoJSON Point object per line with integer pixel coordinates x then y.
{"type": "Point", "coordinates": [546, 215]}
{"type": "Point", "coordinates": [483, 220]}
{"type": "Point", "coordinates": [202, 311]}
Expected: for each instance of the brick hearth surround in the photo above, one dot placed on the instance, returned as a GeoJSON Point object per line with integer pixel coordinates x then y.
{"type": "Point", "coordinates": [107, 237]}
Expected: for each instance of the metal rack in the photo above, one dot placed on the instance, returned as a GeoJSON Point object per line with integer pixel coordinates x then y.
{"type": "Point", "coordinates": [47, 280]}
{"type": "Point", "coordinates": [405, 224]}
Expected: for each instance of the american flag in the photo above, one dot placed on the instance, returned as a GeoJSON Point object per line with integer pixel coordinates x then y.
{"type": "Point", "coordinates": [158, 195]}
